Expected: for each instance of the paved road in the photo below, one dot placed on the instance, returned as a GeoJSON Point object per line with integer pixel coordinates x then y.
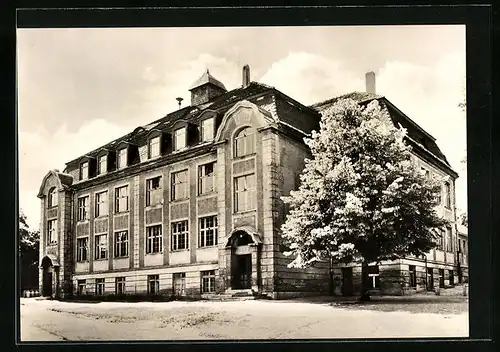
{"type": "Point", "coordinates": [56, 321]}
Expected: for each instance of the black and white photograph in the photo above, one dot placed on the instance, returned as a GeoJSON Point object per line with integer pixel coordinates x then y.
{"type": "Point", "coordinates": [242, 183]}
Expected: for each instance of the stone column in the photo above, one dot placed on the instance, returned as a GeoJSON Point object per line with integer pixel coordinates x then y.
{"type": "Point", "coordinates": [224, 258]}
{"type": "Point", "coordinates": [254, 250]}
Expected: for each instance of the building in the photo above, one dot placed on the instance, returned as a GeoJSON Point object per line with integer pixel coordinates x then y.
{"type": "Point", "coordinates": [190, 204]}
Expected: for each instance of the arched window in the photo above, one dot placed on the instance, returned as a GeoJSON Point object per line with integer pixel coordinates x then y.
{"type": "Point", "coordinates": [52, 198]}
{"type": "Point", "coordinates": [244, 142]}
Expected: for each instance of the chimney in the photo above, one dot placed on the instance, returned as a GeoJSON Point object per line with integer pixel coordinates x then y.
{"type": "Point", "coordinates": [246, 76]}
{"type": "Point", "coordinates": [370, 82]}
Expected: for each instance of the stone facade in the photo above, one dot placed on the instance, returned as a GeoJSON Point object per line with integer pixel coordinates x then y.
{"type": "Point", "coordinates": [177, 259]}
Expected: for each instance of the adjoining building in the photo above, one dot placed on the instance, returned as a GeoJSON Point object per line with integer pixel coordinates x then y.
{"type": "Point", "coordinates": [190, 204]}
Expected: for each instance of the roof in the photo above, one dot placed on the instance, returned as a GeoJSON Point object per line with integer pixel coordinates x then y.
{"type": "Point", "coordinates": [414, 131]}
{"type": "Point", "coordinates": [207, 78]}
{"type": "Point", "coordinates": [220, 104]}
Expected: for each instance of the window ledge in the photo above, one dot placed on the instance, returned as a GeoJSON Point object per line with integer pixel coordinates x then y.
{"type": "Point", "coordinates": [179, 250]}
{"type": "Point", "coordinates": [122, 213]}
{"type": "Point", "coordinates": [207, 195]}
{"type": "Point", "coordinates": [155, 253]}
{"type": "Point", "coordinates": [101, 217]}
{"type": "Point", "coordinates": [100, 260]}
{"type": "Point", "coordinates": [179, 200]}
{"type": "Point", "coordinates": [241, 157]}
{"type": "Point", "coordinates": [208, 247]}
{"type": "Point", "coordinates": [244, 212]}
{"type": "Point", "coordinates": [86, 221]}
{"type": "Point", "coordinates": [154, 206]}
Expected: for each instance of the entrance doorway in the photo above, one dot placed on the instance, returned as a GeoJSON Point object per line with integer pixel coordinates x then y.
{"type": "Point", "coordinates": [430, 279]}
{"type": "Point", "coordinates": [347, 285]}
{"type": "Point", "coordinates": [47, 270]}
{"type": "Point", "coordinates": [242, 274]}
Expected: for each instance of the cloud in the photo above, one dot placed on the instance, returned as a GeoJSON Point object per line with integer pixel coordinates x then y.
{"type": "Point", "coordinates": [41, 151]}
{"type": "Point", "coordinates": [310, 78]}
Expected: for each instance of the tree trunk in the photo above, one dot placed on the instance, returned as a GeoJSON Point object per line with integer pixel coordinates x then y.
{"type": "Point", "coordinates": [365, 294]}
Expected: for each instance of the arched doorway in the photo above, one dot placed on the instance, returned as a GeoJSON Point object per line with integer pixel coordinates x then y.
{"type": "Point", "coordinates": [243, 244]}
{"type": "Point", "coordinates": [47, 271]}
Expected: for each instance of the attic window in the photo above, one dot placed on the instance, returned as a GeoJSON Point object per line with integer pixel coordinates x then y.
{"type": "Point", "coordinates": [84, 170]}
{"type": "Point", "coordinates": [122, 158]}
{"type": "Point", "coordinates": [180, 138]}
{"type": "Point", "coordinates": [207, 129]}
{"type": "Point", "coordinates": [154, 147]}
{"type": "Point", "coordinates": [102, 164]}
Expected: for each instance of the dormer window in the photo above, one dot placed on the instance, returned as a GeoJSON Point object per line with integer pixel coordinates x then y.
{"type": "Point", "coordinates": [207, 129]}
{"type": "Point", "coordinates": [122, 158]}
{"type": "Point", "coordinates": [244, 142]}
{"type": "Point", "coordinates": [102, 165]}
{"type": "Point", "coordinates": [154, 147]}
{"type": "Point", "coordinates": [180, 138]}
{"type": "Point", "coordinates": [52, 198]}
{"type": "Point", "coordinates": [84, 170]}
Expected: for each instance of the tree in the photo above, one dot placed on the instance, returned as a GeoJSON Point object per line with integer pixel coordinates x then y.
{"type": "Point", "coordinates": [29, 241]}
{"type": "Point", "coordinates": [463, 219]}
{"type": "Point", "coordinates": [361, 197]}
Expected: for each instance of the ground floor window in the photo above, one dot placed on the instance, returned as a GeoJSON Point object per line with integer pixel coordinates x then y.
{"type": "Point", "coordinates": [120, 285]}
{"type": "Point", "coordinates": [373, 277]}
{"type": "Point", "coordinates": [82, 287]}
{"type": "Point", "coordinates": [99, 287]}
{"type": "Point", "coordinates": [208, 281]}
{"type": "Point", "coordinates": [413, 276]}
{"type": "Point", "coordinates": [451, 277]}
{"type": "Point", "coordinates": [179, 281]}
{"type": "Point", "coordinates": [153, 284]}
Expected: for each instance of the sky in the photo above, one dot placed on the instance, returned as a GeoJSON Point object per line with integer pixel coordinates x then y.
{"type": "Point", "coordinates": [81, 88]}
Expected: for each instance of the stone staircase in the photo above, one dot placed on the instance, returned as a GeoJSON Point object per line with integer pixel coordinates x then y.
{"type": "Point", "coordinates": [234, 295]}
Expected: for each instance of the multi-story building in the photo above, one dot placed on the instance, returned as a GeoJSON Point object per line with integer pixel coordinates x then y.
{"type": "Point", "coordinates": [190, 204]}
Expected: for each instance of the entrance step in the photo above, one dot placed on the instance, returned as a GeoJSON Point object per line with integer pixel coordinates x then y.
{"type": "Point", "coordinates": [234, 295]}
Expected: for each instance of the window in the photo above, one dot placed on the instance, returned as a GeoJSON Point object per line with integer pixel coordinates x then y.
{"type": "Point", "coordinates": [207, 129]}
{"type": "Point", "coordinates": [52, 198]}
{"type": "Point", "coordinates": [154, 239]}
{"type": "Point", "coordinates": [440, 240]}
{"type": "Point", "coordinates": [84, 170]}
{"type": "Point", "coordinates": [413, 276]}
{"type": "Point", "coordinates": [451, 277]}
{"type": "Point", "coordinates": [153, 284]}
{"type": "Point", "coordinates": [121, 199]}
{"type": "Point", "coordinates": [208, 281]}
{"type": "Point", "coordinates": [447, 195]}
{"type": "Point", "coordinates": [154, 147]}
{"type": "Point", "coordinates": [244, 193]}
{"type": "Point", "coordinates": [180, 235]}
{"type": "Point", "coordinates": [464, 246]}
{"type": "Point", "coordinates": [373, 277]}
{"type": "Point", "coordinates": [102, 165]}
{"type": "Point", "coordinates": [244, 142]}
{"type": "Point", "coordinates": [449, 241]}
{"type": "Point", "coordinates": [101, 246]}
{"type": "Point", "coordinates": [120, 285]}
{"type": "Point", "coordinates": [82, 287]}
{"type": "Point", "coordinates": [208, 231]}
{"type": "Point", "coordinates": [426, 173]}
{"type": "Point", "coordinates": [82, 249]}
{"type": "Point", "coordinates": [179, 280]}
{"type": "Point", "coordinates": [122, 158]}
{"type": "Point", "coordinates": [99, 287]}
{"type": "Point", "coordinates": [83, 208]}
{"type": "Point", "coordinates": [179, 185]}
{"type": "Point", "coordinates": [180, 138]}
{"type": "Point", "coordinates": [52, 230]}
{"type": "Point", "coordinates": [154, 191]}
{"type": "Point", "coordinates": [101, 204]}
{"type": "Point", "coordinates": [121, 244]}
{"type": "Point", "coordinates": [206, 179]}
